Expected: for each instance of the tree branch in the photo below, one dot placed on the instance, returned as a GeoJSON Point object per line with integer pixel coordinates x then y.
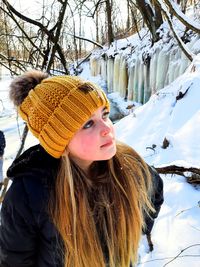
{"type": "Point", "coordinates": [182, 17]}
{"type": "Point", "coordinates": [85, 59]}
{"type": "Point", "coordinates": [188, 54]}
{"type": "Point", "coordinates": [180, 254]}
{"type": "Point", "coordinates": [49, 33]}
{"type": "Point", "coordinates": [85, 39]}
{"type": "Point", "coordinates": [24, 135]}
{"type": "Point", "coordinates": [24, 18]}
{"type": "Point", "coordinates": [22, 30]}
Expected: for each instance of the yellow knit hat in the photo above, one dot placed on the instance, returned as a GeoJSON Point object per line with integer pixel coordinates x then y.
{"type": "Point", "coordinates": [57, 108]}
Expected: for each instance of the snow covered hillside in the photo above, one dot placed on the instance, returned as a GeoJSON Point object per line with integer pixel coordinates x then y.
{"type": "Point", "coordinates": [167, 116]}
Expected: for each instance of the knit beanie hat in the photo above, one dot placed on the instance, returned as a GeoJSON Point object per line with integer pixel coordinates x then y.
{"type": "Point", "coordinates": [55, 108]}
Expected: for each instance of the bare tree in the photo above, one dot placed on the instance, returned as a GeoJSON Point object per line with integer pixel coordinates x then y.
{"type": "Point", "coordinates": [50, 35]}
{"type": "Point", "coordinates": [151, 16]}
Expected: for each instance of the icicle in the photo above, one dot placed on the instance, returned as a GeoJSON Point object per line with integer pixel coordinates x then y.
{"type": "Point", "coordinates": [135, 81]}
{"type": "Point", "coordinates": [176, 70]}
{"type": "Point", "coordinates": [147, 90]}
{"type": "Point", "coordinates": [131, 73]}
{"type": "Point", "coordinates": [153, 70]}
{"type": "Point", "coordinates": [94, 66]}
{"type": "Point", "coordinates": [184, 63]}
{"type": "Point", "coordinates": [162, 67]}
{"type": "Point", "coordinates": [110, 64]}
{"type": "Point", "coordinates": [141, 83]}
{"type": "Point", "coordinates": [103, 69]}
{"type": "Point", "coordinates": [116, 73]}
{"type": "Point", "coordinates": [98, 66]}
{"type": "Point", "coordinates": [123, 79]}
{"type": "Point", "coordinates": [172, 66]}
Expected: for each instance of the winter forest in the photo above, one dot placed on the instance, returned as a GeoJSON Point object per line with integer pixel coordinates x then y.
{"type": "Point", "coordinates": [145, 54]}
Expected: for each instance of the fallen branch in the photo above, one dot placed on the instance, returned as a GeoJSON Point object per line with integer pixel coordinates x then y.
{"type": "Point", "coordinates": [181, 94]}
{"type": "Point", "coordinates": [191, 174]}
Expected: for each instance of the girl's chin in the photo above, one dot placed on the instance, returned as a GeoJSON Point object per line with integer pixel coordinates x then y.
{"type": "Point", "coordinates": [108, 153]}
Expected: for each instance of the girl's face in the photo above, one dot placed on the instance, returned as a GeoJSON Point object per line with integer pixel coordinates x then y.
{"type": "Point", "coordinates": [94, 141]}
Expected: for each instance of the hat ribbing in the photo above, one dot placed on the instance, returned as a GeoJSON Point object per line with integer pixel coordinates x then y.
{"type": "Point", "coordinates": [57, 108]}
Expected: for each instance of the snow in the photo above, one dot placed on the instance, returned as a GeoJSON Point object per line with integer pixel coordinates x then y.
{"type": "Point", "coordinates": [177, 229]}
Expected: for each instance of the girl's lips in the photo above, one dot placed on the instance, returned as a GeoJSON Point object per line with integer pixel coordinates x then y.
{"type": "Point", "coordinates": [107, 144]}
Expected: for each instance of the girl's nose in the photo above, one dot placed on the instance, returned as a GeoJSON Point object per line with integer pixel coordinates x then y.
{"type": "Point", "coordinates": [105, 129]}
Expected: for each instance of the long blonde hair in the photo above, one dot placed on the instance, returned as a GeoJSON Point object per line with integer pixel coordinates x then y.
{"type": "Point", "coordinates": [100, 219]}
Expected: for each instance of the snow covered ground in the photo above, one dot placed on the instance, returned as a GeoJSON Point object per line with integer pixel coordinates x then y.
{"type": "Point", "coordinates": [176, 234]}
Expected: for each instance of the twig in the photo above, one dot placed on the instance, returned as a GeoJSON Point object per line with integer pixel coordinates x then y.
{"type": "Point", "coordinates": [187, 209]}
{"type": "Point", "coordinates": [195, 228]}
{"type": "Point", "coordinates": [23, 139]}
{"type": "Point", "coordinates": [161, 259]}
{"type": "Point", "coordinates": [181, 253]}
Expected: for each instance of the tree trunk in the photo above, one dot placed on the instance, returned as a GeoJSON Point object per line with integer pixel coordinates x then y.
{"type": "Point", "coordinates": [128, 15]}
{"type": "Point", "coordinates": [97, 26]}
{"type": "Point", "coordinates": [150, 19]}
{"type": "Point", "coordinates": [57, 35]}
{"type": "Point", "coordinates": [109, 22]}
{"type": "Point", "coordinates": [158, 14]}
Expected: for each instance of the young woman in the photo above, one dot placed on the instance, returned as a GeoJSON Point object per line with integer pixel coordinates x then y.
{"type": "Point", "coordinates": [79, 198]}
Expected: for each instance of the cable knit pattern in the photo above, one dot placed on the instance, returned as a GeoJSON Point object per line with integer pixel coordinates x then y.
{"type": "Point", "coordinates": [57, 108]}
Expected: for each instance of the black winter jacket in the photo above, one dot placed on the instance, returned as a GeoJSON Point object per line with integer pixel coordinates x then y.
{"type": "Point", "coordinates": [2, 143]}
{"type": "Point", "coordinates": [28, 238]}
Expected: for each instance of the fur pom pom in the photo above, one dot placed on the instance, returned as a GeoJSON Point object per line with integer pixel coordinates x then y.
{"type": "Point", "coordinates": [20, 86]}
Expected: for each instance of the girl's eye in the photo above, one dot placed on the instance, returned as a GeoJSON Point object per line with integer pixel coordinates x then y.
{"type": "Point", "coordinates": [88, 124]}
{"type": "Point", "coordinates": [106, 115]}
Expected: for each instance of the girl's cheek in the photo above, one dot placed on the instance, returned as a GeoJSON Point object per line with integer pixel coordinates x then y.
{"type": "Point", "coordinates": [87, 141]}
